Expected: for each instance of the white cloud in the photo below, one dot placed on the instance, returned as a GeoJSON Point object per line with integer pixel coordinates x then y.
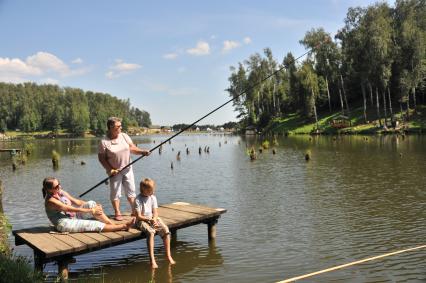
{"type": "Point", "coordinates": [228, 45]}
{"type": "Point", "coordinates": [48, 62]}
{"type": "Point", "coordinates": [121, 68]}
{"type": "Point", "coordinates": [17, 67]}
{"type": "Point", "coordinates": [77, 61]}
{"type": "Point", "coordinates": [247, 40]}
{"type": "Point", "coordinates": [202, 48]}
{"type": "Point", "coordinates": [34, 67]}
{"type": "Point", "coordinates": [170, 56]}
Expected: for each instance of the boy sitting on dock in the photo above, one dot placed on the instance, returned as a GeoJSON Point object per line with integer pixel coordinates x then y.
{"type": "Point", "coordinates": [148, 220]}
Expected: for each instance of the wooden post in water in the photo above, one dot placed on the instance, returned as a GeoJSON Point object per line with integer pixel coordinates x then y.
{"type": "Point", "coordinates": [63, 270]}
{"type": "Point", "coordinates": [63, 267]}
{"type": "Point", "coordinates": [211, 229]}
{"type": "Point", "coordinates": [38, 262]}
{"type": "Point", "coordinates": [173, 236]}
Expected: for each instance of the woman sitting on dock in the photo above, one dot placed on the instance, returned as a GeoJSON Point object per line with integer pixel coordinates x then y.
{"type": "Point", "coordinates": [69, 214]}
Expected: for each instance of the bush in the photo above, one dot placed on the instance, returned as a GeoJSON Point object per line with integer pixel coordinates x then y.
{"type": "Point", "coordinates": [18, 269]}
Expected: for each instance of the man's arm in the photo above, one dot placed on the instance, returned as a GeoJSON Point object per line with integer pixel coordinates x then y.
{"type": "Point", "coordinates": [136, 150]}
{"type": "Point", "coordinates": [104, 162]}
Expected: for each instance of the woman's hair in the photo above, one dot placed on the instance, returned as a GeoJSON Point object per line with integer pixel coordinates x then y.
{"type": "Point", "coordinates": [47, 185]}
{"type": "Point", "coordinates": [111, 122]}
{"type": "Point", "coordinates": [147, 184]}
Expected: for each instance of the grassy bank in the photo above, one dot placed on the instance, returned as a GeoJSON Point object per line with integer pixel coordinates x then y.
{"type": "Point", "coordinates": [296, 124]}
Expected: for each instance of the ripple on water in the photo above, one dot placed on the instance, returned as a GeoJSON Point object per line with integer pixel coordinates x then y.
{"type": "Point", "coordinates": [286, 217]}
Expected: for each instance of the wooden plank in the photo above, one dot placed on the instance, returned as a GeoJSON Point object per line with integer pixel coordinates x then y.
{"type": "Point", "coordinates": [101, 239]}
{"type": "Point", "coordinates": [45, 243]}
{"type": "Point", "coordinates": [115, 237]}
{"type": "Point", "coordinates": [185, 219]}
{"type": "Point", "coordinates": [195, 208]}
{"type": "Point", "coordinates": [74, 243]}
{"type": "Point", "coordinates": [182, 215]}
{"type": "Point", "coordinates": [9, 149]}
{"type": "Point", "coordinates": [132, 233]}
{"type": "Point", "coordinates": [38, 243]}
{"type": "Point", "coordinates": [168, 221]}
{"type": "Point", "coordinates": [90, 242]}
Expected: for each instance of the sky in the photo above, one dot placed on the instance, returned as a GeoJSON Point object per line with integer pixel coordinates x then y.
{"type": "Point", "coordinates": [170, 58]}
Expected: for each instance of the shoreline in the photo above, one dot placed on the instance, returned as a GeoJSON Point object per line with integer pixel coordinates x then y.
{"type": "Point", "coordinates": [338, 124]}
{"type": "Point", "coordinates": [14, 135]}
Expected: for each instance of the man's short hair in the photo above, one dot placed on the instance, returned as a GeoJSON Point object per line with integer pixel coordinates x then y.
{"type": "Point", "coordinates": [111, 122]}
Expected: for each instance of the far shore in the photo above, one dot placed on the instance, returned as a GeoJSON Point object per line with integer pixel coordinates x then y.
{"type": "Point", "coordinates": [336, 124]}
{"type": "Point", "coordinates": [292, 124]}
{"type": "Point", "coordinates": [20, 135]}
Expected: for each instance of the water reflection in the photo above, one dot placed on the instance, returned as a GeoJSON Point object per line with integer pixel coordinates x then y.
{"type": "Point", "coordinates": [193, 261]}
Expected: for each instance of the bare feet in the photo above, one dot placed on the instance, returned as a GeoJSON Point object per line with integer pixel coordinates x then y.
{"type": "Point", "coordinates": [130, 223]}
{"type": "Point", "coordinates": [171, 260]}
{"type": "Point", "coordinates": [118, 217]}
{"type": "Point", "coordinates": [154, 264]}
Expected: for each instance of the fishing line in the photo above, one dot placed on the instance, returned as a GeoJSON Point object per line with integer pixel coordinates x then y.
{"type": "Point", "coordinates": [350, 264]}
{"type": "Point", "coordinates": [208, 114]}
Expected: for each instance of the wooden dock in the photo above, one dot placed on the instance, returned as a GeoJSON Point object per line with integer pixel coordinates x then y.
{"type": "Point", "coordinates": [10, 150]}
{"type": "Point", "coordinates": [49, 245]}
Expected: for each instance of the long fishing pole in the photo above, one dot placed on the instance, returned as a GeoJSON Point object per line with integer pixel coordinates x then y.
{"type": "Point", "coordinates": [208, 114]}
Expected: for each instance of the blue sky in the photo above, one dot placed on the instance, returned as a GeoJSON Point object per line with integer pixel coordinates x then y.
{"type": "Point", "coordinates": [170, 58]}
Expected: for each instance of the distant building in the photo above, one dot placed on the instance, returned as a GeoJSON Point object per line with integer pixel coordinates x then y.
{"type": "Point", "coordinates": [166, 129]}
{"type": "Point", "coordinates": [155, 128]}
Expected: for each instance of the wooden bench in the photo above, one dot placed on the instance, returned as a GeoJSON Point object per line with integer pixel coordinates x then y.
{"type": "Point", "coordinates": [49, 245]}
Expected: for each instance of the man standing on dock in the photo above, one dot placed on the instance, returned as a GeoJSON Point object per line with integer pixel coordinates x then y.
{"type": "Point", "coordinates": [114, 155]}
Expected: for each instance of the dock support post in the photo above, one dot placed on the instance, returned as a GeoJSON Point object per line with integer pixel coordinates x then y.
{"type": "Point", "coordinates": [173, 236]}
{"type": "Point", "coordinates": [211, 229]}
{"type": "Point", "coordinates": [63, 268]}
{"type": "Point", "coordinates": [38, 262]}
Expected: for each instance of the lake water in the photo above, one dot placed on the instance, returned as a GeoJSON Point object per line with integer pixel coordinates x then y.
{"type": "Point", "coordinates": [357, 197]}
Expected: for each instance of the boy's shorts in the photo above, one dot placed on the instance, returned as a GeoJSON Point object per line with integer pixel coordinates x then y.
{"type": "Point", "coordinates": [146, 228]}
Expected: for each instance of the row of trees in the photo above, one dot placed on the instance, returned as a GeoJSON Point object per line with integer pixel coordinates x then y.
{"type": "Point", "coordinates": [227, 125]}
{"type": "Point", "coordinates": [32, 107]}
{"type": "Point", "coordinates": [378, 57]}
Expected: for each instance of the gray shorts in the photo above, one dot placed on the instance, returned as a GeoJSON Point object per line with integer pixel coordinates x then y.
{"type": "Point", "coordinates": [162, 230]}
{"type": "Point", "coordinates": [125, 180]}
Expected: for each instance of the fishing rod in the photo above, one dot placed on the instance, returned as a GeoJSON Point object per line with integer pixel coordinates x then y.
{"type": "Point", "coordinates": [208, 114]}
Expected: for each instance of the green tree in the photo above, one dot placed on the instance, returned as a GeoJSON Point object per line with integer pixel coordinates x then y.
{"type": "Point", "coordinates": [310, 84]}
{"type": "Point", "coordinates": [78, 115]}
{"type": "Point", "coordinates": [411, 37]}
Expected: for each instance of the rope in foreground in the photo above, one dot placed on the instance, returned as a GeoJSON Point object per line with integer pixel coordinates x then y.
{"type": "Point", "coordinates": [350, 264]}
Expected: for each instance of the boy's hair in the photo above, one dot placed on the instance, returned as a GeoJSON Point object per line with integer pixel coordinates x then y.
{"type": "Point", "coordinates": [147, 184]}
